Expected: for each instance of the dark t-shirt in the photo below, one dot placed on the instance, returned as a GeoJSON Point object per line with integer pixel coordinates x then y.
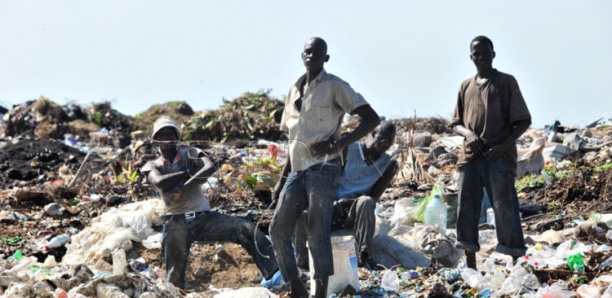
{"type": "Point", "coordinates": [489, 109]}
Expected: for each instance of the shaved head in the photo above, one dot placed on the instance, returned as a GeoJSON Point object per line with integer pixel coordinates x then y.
{"type": "Point", "coordinates": [317, 42]}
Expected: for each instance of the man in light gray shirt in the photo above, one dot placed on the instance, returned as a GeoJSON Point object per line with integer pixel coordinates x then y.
{"type": "Point", "coordinates": [313, 113]}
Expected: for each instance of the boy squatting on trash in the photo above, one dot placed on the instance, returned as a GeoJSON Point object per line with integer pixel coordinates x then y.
{"type": "Point", "coordinates": [367, 172]}
{"type": "Point", "coordinates": [491, 114]}
{"type": "Point", "coordinates": [178, 175]}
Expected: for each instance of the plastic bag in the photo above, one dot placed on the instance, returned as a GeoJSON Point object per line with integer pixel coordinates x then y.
{"type": "Point", "coordinates": [588, 291]}
{"type": "Point", "coordinates": [472, 278]}
{"type": "Point", "coordinates": [403, 210]}
{"type": "Point", "coordinates": [419, 214]}
{"type": "Point", "coordinates": [275, 280]}
{"type": "Point", "coordinates": [153, 241]}
{"type": "Point", "coordinates": [390, 281]}
{"type": "Point", "coordinates": [608, 292]}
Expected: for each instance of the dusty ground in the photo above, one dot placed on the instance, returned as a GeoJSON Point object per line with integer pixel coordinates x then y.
{"type": "Point", "coordinates": [231, 267]}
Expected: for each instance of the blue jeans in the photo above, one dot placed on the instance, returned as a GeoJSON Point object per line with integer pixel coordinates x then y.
{"type": "Point", "coordinates": [498, 181]}
{"type": "Point", "coordinates": [179, 233]}
{"type": "Point", "coordinates": [314, 190]}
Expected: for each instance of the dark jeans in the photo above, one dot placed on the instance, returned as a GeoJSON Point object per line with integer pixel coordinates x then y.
{"type": "Point", "coordinates": [314, 190]}
{"type": "Point", "coordinates": [360, 219]}
{"type": "Point", "coordinates": [179, 233]}
{"type": "Point", "coordinates": [498, 181]}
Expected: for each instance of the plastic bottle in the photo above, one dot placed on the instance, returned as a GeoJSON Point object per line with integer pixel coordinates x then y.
{"type": "Point", "coordinates": [546, 177]}
{"type": "Point", "coordinates": [119, 262]}
{"type": "Point", "coordinates": [435, 213]}
{"type": "Point", "coordinates": [575, 262]}
{"type": "Point", "coordinates": [491, 216]}
{"type": "Point", "coordinates": [58, 241]}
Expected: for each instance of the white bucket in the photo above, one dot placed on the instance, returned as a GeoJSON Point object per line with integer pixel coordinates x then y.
{"type": "Point", "coordinates": [345, 266]}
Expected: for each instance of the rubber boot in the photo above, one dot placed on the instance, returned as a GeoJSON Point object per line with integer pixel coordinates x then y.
{"type": "Point", "coordinates": [470, 259]}
{"type": "Point", "coordinates": [321, 287]}
{"type": "Point", "coordinates": [297, 289]}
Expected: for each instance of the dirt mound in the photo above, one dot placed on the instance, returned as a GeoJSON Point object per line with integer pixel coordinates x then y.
{"type": "Point", "coordinates": [180, 111]}
{"type": "Point", "coordinates": [36, 159]}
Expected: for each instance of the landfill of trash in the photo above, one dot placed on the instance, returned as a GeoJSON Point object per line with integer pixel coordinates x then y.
{"type": "Point", "coordinates": [79, 219]}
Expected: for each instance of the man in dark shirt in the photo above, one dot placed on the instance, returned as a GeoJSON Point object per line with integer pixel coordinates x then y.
{"type": "Point", "coordinates": [491, 114]}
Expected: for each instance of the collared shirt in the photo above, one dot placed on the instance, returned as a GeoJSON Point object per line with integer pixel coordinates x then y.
{"type": "Point", "coordinates": [358, 178]}
{"type": "Point", "coordinates": [192, 198]}
{"type": "Point", "coordinates": [323, 105]}
{"type": "Point", "coordinates": [489, 109]}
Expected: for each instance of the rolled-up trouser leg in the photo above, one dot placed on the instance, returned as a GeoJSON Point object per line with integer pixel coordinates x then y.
{"type": "Point", "coordinates": [500, 184]}
{"type": "Point", "coordinates": [469, 205]}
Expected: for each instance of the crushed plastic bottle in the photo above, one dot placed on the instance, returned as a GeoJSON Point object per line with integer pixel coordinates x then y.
{"type": "Point", "coordinates": [575, 262]}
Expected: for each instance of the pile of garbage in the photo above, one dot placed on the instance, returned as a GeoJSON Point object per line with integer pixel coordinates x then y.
{"type": "Point", "coordinates": [251, 116]}
{"type": "Point", "coordinates": [79, 220]}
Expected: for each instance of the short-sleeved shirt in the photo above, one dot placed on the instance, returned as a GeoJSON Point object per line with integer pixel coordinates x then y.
{"type": "Point", "coordinates": [193, 198]}
{"type": "Point", "coordinates": [323, 105]}
{"type": "Point", "coordinates": [489, 109]}
{"type": "Point", "coordinates": [358, 178]}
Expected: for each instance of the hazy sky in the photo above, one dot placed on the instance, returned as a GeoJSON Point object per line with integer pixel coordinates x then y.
{"type": "Point", "coordinates": [401, 55]}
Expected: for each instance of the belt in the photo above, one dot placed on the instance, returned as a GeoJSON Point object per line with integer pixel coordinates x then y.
{"type": "Point", "coordinates": [188, 215]}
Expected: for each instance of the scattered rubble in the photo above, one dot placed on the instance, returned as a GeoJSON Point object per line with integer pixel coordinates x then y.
{"type": "Point", "coordinates": [75, 171]}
